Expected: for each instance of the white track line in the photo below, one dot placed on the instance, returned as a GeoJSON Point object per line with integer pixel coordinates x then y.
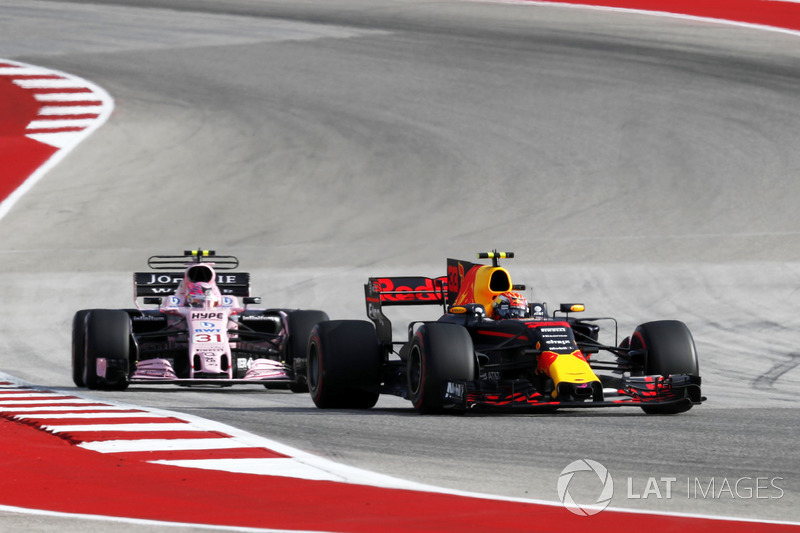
{"type": "Point", "coordinates": [139, 427]}
{"type": "Point", "coordinates": [57, 416]}
{"type": "Point", "coordinates": [70, 110]}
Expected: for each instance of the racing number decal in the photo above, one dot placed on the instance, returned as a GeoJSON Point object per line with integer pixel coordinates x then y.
{"type": "Point", "coordinates": [208, 337]}
{"type": "Point", "coordinates": [454, 277]}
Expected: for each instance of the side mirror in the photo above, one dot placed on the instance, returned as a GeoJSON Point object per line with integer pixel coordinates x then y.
{"type": "Point", "coordinates": [152, 300]}
{"type": "Point", "coordinates": [469, 310]}
{"type": "Point", "coordinates": [572, 308]}
{"type": "Point", "coordinates": [537, 310]}
{"type": "Point", "coordinates": [251, 300]}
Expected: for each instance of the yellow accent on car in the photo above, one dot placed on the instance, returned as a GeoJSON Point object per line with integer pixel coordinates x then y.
{"type": "Point", "coordinates": [490, 282]}
{"type": "Point", "coordinates": [571, 368]}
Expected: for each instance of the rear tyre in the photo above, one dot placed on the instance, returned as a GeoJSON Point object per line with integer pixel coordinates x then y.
{"type": "Point", "coordinates": [300, 325]}
{"type": "Point", "coordinates": [107, 337]}
{"type": "Point", "coordinates": [78, 347]}
{"type": "Point", "coordinates": [438, 353]}
{"type": "Point", "coordinates": [344, 364]}
{"type": "Point", "coordinates": [670, 349]}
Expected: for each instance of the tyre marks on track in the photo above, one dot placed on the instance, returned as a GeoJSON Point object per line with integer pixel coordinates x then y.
{"type": "Point", "coordinates": [767, 380]}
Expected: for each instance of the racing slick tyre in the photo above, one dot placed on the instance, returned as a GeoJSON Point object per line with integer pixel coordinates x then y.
{"type": "Point", "coordinates": [78, 346]}
{"type": "Point", "coordinates": [107, 337]}
{"type": "Point", "coordinates": [438, 353]}
{"type": "Point", "coordinates": [300, 325]}
{"type": "Point", "coordinates": [670, 349]}
{"type": "Point", "coordinates": [344, 364]}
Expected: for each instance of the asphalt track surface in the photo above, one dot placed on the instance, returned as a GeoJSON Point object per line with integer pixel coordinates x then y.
{"type": "Point", "coordinates": [642, 165]}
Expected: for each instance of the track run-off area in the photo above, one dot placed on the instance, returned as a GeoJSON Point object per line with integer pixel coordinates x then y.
{"type": "Point", "coordinates": [76, 460]}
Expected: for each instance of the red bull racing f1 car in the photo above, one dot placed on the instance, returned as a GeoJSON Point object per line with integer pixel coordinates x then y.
{"type": "Point", "coordinates": [491, 348]}
{"type": "Point", "coordinates": [202, 331]}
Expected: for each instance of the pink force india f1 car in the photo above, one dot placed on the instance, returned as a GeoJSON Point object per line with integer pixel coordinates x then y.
{"type": "Point", "coordinates": [491, 348]}
{"type": "Point", "coordinates": [201, 332]}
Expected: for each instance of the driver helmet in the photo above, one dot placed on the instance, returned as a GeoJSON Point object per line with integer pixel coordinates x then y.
{"type": "Point", "coordinates": [509, 305]}
{"type": "Point", "coordinates": [203, 295]}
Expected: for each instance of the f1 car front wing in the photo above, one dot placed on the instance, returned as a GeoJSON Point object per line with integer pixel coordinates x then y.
{"type": "Point", "coordinates": [633, 391]}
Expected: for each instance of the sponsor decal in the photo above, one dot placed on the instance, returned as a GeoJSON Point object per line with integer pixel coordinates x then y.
{"type": "Point", "coordinates": [174, 278]}
{"type": "Point", "coordinates": [410, 289]}
{"type": "Point", "coordinates": [207, 316]}
{"type": "Point", "coordinates": [160, 279]}
{"type": "Point", "coordinates": [554, 336]}
{"type": "Point", "coordinates": [161, 290]}
{"type": "Point", "coordinates": [374, 311]}
{"type": "Point", "coordinates": [455, 391]}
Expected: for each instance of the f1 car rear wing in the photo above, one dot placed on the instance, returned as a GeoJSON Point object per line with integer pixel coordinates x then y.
{"type": "Point", "coordinates": [407, 290]}
{"type": "Point", "coordinates": [166, 283]}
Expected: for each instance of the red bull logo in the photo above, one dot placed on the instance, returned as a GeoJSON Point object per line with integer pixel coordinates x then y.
{"type": "Point", "coordinates": [415, 289]}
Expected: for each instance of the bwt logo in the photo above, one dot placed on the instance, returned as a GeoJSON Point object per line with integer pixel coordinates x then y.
{"type": "Point", "coordinates": [606, 492]}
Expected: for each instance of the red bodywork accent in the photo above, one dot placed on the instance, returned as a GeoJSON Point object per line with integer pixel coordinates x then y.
{"type": "Point", "coordinates": [533, 324]}
{"type": "Point", "coordinates": [497, 333]}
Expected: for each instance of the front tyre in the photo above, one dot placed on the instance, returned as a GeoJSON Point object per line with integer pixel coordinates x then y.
{"type": "Point", "coordinates": [670, 349]}
{"type": "Point", "coordinates": [79, 347]}
{"type": "Point", "coordinates": [107, 338]}
{"type": "Point", "coordinates": [300, 325]}
{"type": "Point", "coordinates": [438, 353]}
{"type": "Point", "coordinates": [344, 364]}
